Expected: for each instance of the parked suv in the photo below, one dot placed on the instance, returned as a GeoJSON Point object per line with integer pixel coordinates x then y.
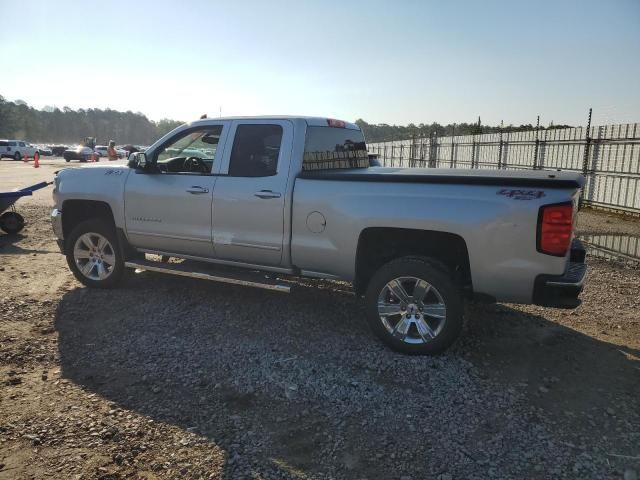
{"type": "Point", "coordinates": [16, 149]}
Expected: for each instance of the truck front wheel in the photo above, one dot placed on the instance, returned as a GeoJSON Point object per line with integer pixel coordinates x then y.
{"type": "Point", "coordinates": [93, 254]}
{"type": "Point", "coordinates": [413, 306]}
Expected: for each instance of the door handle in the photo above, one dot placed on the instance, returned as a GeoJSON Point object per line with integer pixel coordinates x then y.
{"type": "Point", "coordinates": [267, 194]}
{"type": "Point", "coordinates": [196, 190]}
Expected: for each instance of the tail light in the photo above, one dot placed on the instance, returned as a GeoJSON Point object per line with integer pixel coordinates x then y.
{"type": "Point", "coordinates": [555, 228]}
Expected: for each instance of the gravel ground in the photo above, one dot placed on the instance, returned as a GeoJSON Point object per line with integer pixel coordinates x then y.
{"type": "Point", "coordinates": [600, 222]}
{"type": "Point", "coordinates": [179, 378]}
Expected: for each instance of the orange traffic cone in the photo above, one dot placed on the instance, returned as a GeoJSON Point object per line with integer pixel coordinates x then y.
{"type": "Point", "coordinates": [25, 159]}
{"type": "Point", "coordinates": [36, 160]}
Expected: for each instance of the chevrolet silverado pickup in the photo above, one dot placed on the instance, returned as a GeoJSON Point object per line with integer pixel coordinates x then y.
{"type": "Point", "coordinates": [261, 201]}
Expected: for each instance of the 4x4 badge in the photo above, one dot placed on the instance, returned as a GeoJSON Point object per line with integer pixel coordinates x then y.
{"type": "Point", "coordinates": [521, 194]}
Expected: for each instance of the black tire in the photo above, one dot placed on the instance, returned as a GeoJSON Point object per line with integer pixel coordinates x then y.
{"type": "Point", "coordinates": [17, 157]}
{"type": "Point", "coordinates": [67, 159]}
{"type": "Point", "coordinates": [440, 278]}
{"type": "Point", "coordinates": [11, 222]}
{"type": "Point", "coordinates": [105, 228]}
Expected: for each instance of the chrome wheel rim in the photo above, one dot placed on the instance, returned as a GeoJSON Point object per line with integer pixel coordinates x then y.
{"type": "Point", "coordinates": [412, 310]}
{"type": "Point", "coordinates": [94, 256]}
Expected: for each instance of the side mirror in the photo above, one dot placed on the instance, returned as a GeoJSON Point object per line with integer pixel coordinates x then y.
{"type": "Point", "coordinates": [210, 139]}
{"type": "Point", "coordinates": [138, 160]}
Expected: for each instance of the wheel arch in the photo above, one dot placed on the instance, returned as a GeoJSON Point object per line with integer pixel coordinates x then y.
{"type": "Point", "coordinates": [76, 211]}
{"type": "Point", "coordinates": [379, 245]}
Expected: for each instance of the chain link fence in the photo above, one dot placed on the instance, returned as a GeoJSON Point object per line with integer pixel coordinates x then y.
{"type": "Point", "coordinates": [608, 156]}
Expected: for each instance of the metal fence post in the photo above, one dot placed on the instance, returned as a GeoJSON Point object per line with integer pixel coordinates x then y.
{"type": "Point", "coordinates": [500, 146]}
{"type": "Point", "coordinates": [535, 149]}
{"type": "Point", "coordinates": [505, 150]}
{"type": "Point", "coordinates": [453, 146]}
{"type": "Point", "coordinates": [585, 160]}
{"type": "Point", "coordinates": [434, 148]}
{"type": "Point", "coordinates": [543, 148]}
{"type": "Point", "coordinates": [430, 161]}
{"type": "Point", "coordinates": [595, 158]}
{"type": "Point", "coordinates": [473, 150]}
{"type": "Point", "coordinates": [412, 151]}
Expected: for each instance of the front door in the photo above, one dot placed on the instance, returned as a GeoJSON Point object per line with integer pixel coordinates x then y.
{"type": "Point", "coordinates": [249, 201]}
{"type": "Point", "coordinates": [168, 204]}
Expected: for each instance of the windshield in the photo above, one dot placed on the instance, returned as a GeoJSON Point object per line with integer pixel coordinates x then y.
{"type": "Point", "coordinates": [331, 148]}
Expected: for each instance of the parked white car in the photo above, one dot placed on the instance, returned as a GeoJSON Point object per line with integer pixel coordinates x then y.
{"type": "Point", "coordinates": [102, 151]}
{"type": "Point", "coordinates": [44, 150]}
{"type": "Point", "coordinates": [16, 149]}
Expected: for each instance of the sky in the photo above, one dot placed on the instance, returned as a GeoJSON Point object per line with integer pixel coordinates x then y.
{"type": "Point", "coordinates": [395, 62]}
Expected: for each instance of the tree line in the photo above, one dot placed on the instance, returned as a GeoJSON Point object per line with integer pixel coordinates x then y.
{"type": "Point", "coordinates": [52, 125]}
{"type": "Point", "coordinates": [383, 132]}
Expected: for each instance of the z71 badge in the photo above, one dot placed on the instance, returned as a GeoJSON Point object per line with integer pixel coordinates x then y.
{"type": "Point", "coordinates": [521, 194]}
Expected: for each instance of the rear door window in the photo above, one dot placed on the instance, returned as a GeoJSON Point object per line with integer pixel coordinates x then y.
{"type": "Point", "coordinates": [331, 148]}
{"type": "Point", "coordinates": [255, 151]}
{"type": "Point", "coordinates": [12, 144]}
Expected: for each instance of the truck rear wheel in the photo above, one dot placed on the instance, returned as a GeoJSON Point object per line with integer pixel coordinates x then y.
{"type": "Point", "coordinates": [93, 254]}
{"type": "Point", "coordinates": [413, 306]}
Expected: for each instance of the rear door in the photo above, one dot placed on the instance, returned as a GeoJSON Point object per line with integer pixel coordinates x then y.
{"type": "Point", "coordinates": [249, 201]}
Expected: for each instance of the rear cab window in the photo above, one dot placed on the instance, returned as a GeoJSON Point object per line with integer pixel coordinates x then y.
{"type": "Point", "coordinates": [333, 148]}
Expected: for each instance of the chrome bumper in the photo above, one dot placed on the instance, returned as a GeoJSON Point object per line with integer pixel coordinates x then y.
{"type": "Point", "coordinates": [56, 224]}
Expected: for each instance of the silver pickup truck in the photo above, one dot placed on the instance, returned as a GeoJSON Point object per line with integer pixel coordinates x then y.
{"type": "Point", "coordinates": [260, 201]}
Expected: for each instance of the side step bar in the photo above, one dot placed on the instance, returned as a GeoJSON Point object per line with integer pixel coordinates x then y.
{"type": "Point", "coordinates": [214, 273]}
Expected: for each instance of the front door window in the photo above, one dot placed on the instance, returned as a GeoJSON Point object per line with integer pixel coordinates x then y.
{"type": "Point", "coordinates": [192, 152]}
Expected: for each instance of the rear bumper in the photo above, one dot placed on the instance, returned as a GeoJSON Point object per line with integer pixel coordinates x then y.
{"type": "Point", "coordinates": [562, 291]}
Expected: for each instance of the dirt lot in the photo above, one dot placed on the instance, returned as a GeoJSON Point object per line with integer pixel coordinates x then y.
{"type": "Point", "coordinates": [174, 378]}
